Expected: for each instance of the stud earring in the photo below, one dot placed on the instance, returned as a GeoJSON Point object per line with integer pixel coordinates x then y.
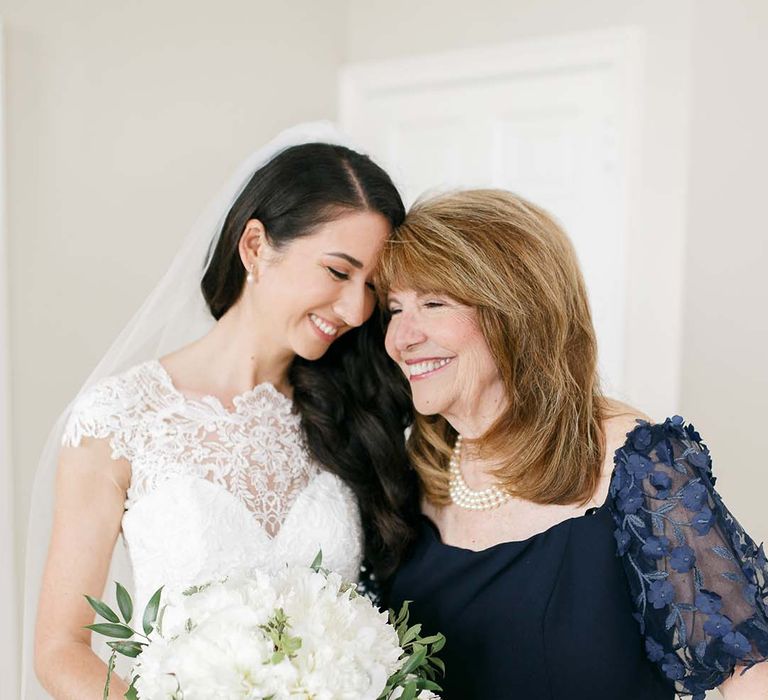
{"type": "Point", "coordinates": [249, 276]}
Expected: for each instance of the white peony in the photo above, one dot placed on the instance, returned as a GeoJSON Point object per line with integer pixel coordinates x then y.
{"type": "Point", "coordinates": [213, 642]}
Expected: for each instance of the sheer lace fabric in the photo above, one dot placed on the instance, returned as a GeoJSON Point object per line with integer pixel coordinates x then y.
{"type": "Point", "coordinates": [212, 489]}
{"type": "Point", "coordinates": [699, 582]}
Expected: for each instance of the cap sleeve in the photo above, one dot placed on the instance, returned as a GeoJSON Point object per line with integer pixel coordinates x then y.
{"type": "Point", "coordinates": [699, 582]}
{"type": "Point", "coordinates": [106, 410]}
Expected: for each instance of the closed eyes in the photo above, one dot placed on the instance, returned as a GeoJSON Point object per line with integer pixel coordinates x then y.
{"type": "Point", "coordinates": [427, 305]}
{"type": "Point", "coordinates": [343, 276]}
{"type": "Point", "coordinates": [337, 273]}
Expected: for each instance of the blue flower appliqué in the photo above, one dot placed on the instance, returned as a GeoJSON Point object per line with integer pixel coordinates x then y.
{"type": "Point", "coordinates": [661, 594]}
{"type": "Point", "coordinates": [656, 547]}
{"type": "Point", "coordinates": [682, 559]}
{"type": "Point", "coordinates": [699, 582]}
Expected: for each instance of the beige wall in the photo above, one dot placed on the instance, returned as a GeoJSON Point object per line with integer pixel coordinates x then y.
{"type": "Point", "coordinates": [8, 578]}
{"type": "Point", "coordinates": [725, 329]}
{"type": "Point", "coordinates": [123, 119]}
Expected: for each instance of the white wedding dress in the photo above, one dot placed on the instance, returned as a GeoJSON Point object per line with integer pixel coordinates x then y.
{"type": "Point", "coordinates": [214, 490]}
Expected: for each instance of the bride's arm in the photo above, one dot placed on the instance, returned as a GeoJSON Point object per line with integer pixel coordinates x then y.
{"type": "Point", "coordinates": [90, 496]}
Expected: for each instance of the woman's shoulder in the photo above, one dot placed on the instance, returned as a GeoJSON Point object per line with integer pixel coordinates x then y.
{"type": "Point", "coordinates": [619, 420]}
{"type": "Point", "coordinates": [638, 447]}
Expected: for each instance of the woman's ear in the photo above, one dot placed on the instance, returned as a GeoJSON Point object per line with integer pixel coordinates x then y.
{"type": "Point", "coordinates": [251, 247]}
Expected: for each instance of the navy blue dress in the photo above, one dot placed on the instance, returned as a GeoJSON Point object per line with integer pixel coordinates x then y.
{"type": "Point", "coordinates": [659, 590]}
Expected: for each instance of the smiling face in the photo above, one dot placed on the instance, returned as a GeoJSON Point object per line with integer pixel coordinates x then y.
{"type": "Point", "coordinates": [318, 287]}
{"type": "Point", "coordinates": [438, 344]}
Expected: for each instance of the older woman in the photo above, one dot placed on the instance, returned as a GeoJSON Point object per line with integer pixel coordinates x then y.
{"type": "Point", "coordinates": [532, 483]}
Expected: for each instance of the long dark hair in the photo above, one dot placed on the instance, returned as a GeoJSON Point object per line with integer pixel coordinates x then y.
{"type": "Point", "coordinates": [353, 404]}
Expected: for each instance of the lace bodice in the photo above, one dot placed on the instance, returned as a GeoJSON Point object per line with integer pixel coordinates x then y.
{"type": "Point", "coordinates": [214, 489]}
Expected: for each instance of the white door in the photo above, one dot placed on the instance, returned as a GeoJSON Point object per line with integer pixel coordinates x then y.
{"type": "Point", "coordinates": [548, 120]}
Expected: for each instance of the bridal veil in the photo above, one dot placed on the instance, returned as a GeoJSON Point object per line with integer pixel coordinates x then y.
{"type": "Point", "coordinates": [173, 315]}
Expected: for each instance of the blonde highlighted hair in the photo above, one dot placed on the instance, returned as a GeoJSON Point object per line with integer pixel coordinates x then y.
{"type": "Point", "coordinates": [507, 258]}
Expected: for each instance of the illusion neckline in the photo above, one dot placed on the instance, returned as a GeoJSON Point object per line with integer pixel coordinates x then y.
{"type": "Point", "coordinates": [238, 402]}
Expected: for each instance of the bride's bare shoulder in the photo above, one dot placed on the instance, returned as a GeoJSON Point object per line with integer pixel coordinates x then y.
{"type": "Point", "coordinates": [177, 361]}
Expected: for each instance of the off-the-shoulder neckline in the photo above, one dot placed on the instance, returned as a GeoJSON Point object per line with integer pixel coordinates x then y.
{"type": "Point", "coordinates": [590, 513]}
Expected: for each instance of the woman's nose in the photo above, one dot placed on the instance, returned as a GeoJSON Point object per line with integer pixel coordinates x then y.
{"type": "Point", "coordinates": [407, 332]}
{"type": "Point", "coordinates": [354, 306]}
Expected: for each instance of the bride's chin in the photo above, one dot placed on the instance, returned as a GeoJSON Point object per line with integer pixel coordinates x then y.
{"type": "Point", "coordinates": [310, 354]}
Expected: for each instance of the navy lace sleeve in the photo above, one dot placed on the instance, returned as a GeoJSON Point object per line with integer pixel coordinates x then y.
{"type": "Point", "coordinates": [699, 582]}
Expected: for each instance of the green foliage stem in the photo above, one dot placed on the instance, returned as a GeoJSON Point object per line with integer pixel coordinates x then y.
{"type": "Point", "coordinates": [421, 665]}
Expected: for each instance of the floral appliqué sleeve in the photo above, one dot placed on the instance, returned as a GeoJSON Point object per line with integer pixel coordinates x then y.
{"type": "Point", "coordinates": [699, 582]}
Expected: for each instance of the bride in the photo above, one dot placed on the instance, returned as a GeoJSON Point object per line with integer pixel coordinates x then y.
{"type": "Point", "coordinates": [258, 443]}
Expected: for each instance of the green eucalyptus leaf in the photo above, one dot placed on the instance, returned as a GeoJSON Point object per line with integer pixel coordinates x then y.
{"type": "Point", "coordinates": [102, 609]}
{"type": "Point", "coordinates": [404, 613]}
{"type": "Point", "coordinates": [414, 661]}
{"type": "Point", "coordinates": [411, 635]}
{"type": "Point", "coordinates": [110, 669]}
{"type": "Point", "coordinates": [317, 562]}
{"type": "Point", "coordinates": [425, 684]}
{"type": "Point", "coordinates": [132, 693]}
{"type": "Point", "coordinates": [132, 649]}
{"type": "Point", "coordinates": [292, 645]}
{"type": "Point", "coordinates": [150, 612]}
{"type": "Point", "coordinates": [124, 602]}
{"type": "Point", "coordinates": [111, 630]}
{"type": "Point", "coordinates": [439, 644]}
{"type": "Point", "coordinates": [409, 692]}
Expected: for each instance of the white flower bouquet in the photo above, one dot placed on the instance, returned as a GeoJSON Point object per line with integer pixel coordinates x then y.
{"type": "Point", "coordinates": [300, 634]}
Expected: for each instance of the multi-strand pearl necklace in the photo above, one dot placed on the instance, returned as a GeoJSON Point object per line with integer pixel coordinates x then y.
{"type": "Point", "coordinates": [465, 497]}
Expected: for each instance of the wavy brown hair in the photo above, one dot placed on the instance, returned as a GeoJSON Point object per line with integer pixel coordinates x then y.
{"type": "Point", "coordinates": [509, 260]}
{"type": "Point", "coordinates": [353, 410]}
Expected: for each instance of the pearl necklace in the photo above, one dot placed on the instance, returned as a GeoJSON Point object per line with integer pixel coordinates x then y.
{"type": "Point", "coordinates": [465, 497]}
